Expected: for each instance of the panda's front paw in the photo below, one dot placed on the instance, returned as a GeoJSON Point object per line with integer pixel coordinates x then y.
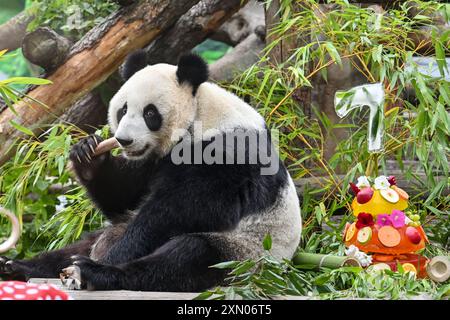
{"type": "Point", "coordinates": [13, 270]}
{"type": "Point", "coordinates": [85, 273]}
{"type": "Point", "coordinates": [83, 157]}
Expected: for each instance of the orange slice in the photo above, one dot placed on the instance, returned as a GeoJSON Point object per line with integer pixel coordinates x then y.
{"type": "Point", "coordinates": [350, 232]}
{"type": "Point", "coordinates": [409, 267]}
{"type": "Point", "coordinates": [345, 229]}
{"type": "Point", "coordinates": [389, 236]}
{"type": "Point", "coordinates": [402, 193]}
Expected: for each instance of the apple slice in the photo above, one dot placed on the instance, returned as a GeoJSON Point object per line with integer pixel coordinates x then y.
{"type": "Point", "coordinates": [389, 236]}
{"type": "Point", "coordinates": [350, 232]}
{"type": "Point", "coordinates": [364, 235]}
{"type": "Point", "coordinates": [380, 267]}
{"type": "Point", "coordinates": [364, 195]}
{"type": "Point", "coordinates": [413, 235]}
{"type": "Point", "coordinates": [390, 195]}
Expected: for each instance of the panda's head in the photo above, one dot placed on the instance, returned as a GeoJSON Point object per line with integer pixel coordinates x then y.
{"type": "Point", "coordinates": [155, 101]}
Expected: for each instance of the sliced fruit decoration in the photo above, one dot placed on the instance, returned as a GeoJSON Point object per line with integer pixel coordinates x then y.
{"type": "Point", "coordinates": [382, 227]}
{"type": "Point", "coordinates": [381, 197]}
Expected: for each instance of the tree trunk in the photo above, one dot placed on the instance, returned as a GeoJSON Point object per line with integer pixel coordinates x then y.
{"type": "Point", "coordinates": [88, 113]}
{"type": "Point", "coordinates": [191, 29]}
{"type": "Point", "coordinates": [45, 48]}
{"type": "Point", "coordinates": [245, 54]}
{"type": "Point", "coordinates": [241, 25]}
{"type": "Point", "coordinates": [90, 62]}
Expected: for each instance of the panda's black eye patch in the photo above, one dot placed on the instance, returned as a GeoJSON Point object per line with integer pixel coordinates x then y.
{"type": "Point", "coordinates": [121, 112]}
{"type": "Point", "coordinates": [152, 117]}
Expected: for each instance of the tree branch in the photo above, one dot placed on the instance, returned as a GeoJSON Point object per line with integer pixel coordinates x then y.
{"type": "Point", "coordinates": [13, 31]}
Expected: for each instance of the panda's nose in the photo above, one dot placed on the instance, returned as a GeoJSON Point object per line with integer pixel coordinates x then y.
{"type": "Point", "coordinates": [124, 142]}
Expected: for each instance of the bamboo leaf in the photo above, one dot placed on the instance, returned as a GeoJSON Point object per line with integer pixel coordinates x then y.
{"type": "Point", "coordinates": [21, 128]}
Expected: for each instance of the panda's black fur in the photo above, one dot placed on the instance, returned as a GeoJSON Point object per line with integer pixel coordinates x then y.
{"type": "Point", "coordinates": [166, 218]}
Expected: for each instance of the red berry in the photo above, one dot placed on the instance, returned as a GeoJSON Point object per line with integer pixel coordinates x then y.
{"type": "Point", "coordinates": [354, 188]}
{"type": "Point", "coordinates": [392, 181]}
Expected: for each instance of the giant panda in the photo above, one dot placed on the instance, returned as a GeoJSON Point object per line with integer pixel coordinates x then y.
{"type": "Point", "coordinates": [170, 220]}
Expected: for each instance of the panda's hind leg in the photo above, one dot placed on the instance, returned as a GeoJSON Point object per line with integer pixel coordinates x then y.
{"type": "Point", "coordinates": [181, 264]}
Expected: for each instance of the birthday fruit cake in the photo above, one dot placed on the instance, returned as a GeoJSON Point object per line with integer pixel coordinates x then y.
{"type": "Point", "coordinates": [383, 227]}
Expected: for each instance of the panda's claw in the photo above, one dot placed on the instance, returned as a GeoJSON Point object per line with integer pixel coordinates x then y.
{"type": "Point", "coordinates": [96, 140]}
{"type": "Point", "coordinates": [71, 277]}
{"type": "Point", "coordinates": [84, 159]}
{"type": "Point", "coordinates": [92, 148]}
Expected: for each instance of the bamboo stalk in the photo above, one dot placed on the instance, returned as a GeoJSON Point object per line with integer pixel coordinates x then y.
{"type": "Point", "coordinates": [306, 260]}
{"type": "Point", "coordinates": [438, 268]}
{"type": "Point", "coordinates": [106, 145]}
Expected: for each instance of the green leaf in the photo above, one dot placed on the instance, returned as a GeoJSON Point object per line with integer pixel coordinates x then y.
{"type": "Point", "coordinates": [440, 58]}
{"type": "Point", "coordinates": [267, 242]}
{"type": "Point", "coordinates": [334, 54]}
{"type": "Point", "coordinates": [204, 295]}
{"type": "Point", "coordinates": [26, 80]}
{"type": "Point", "coordinates": [226, 265]}
{"type": "Point", "coordinates": [244, 267]}
{"type": "Point", "coordinates": [21, 128]}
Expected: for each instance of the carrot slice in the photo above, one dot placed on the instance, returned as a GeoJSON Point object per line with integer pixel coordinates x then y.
{"type": "Point", "coordinates": [402, 193]}
{"type": "Point", "coordinates": [389, 236]}
{"type": "Point", "coordinates": [350, 232]}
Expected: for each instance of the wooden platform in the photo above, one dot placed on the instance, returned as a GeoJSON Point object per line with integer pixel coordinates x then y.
{"type": "Point", "coordinates": [132, 295]}
{"type": "Point", "coordinates": [141, 295]}
{"type": "Point", "coordinates": [117, 294]}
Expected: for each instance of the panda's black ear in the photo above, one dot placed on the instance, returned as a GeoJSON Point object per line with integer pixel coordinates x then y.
{"type": "Point", "coordinates": [193, 70]}
{"type": "Point", "coordinates": [133, 63]}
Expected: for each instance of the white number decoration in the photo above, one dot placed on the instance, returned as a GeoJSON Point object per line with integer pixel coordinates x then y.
{"type": "Point", "coordinates": [371, 95]}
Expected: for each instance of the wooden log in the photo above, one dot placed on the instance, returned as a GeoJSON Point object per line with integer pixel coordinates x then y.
{"type": "Point", "coordinates": [13, 31]}
{"type": "Point", "coordinates": [95, 57]}
{"type": "Point", "coordinates": [241, 25]}
{"type": "Point", "coordinates": [88, 113]}
{"type": "Point", "coordinates": [191, 29]}
{"type": "Point", "coordinates": [45, 48]}
{"type": "Point", "coordinates": [240, 58]}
